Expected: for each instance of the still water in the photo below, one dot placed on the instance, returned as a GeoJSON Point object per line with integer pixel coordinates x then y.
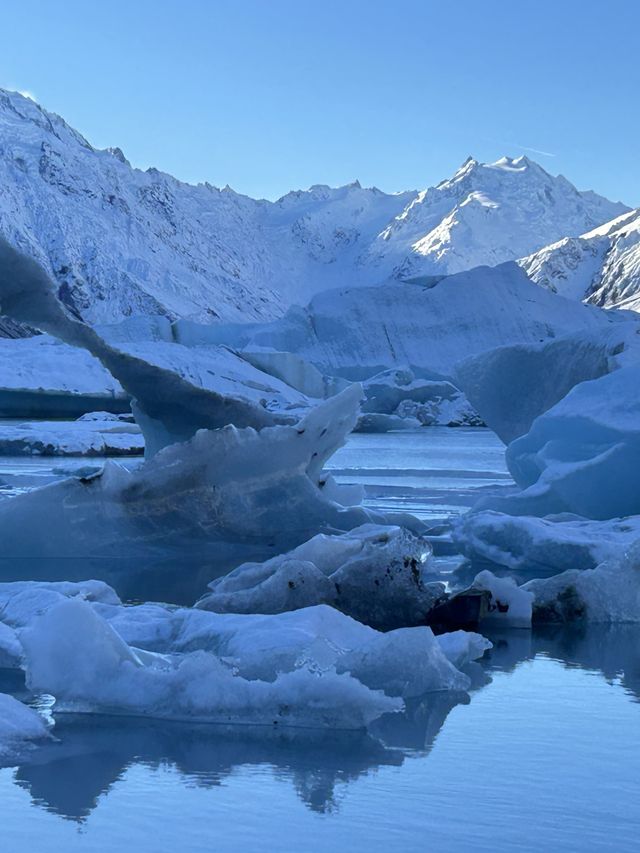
{"type": "Point", "coordinates": [542, 755]}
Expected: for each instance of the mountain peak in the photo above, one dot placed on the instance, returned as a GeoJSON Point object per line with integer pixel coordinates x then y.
{"type": "Point", "coordinates": [167, 247]}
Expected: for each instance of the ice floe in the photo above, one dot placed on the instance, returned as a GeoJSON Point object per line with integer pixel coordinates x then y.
{"type": "Point", "coordinates": [21, 728]}
{"type": "Point", "coordinates": [540, 547]}
{"type": "Point", "coordinates": [342, 676]}
{"type": "Point", "coordinates": [96, 434]}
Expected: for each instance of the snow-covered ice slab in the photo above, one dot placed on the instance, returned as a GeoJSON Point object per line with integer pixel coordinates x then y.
{"type": "Point", "coordinates": [99, 434]}
{"type": "Point", "coordinates": [40, 377]}
{"type": "Point", "coordinates": [373, 573]}
{"type": "Point", "coordinates": [540, 547]}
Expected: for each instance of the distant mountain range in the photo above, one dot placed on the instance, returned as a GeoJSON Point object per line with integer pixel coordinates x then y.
{"type": "Point", "coordinates": [601, 267]}
{"type": "Point", "coordinates": [120, 241]}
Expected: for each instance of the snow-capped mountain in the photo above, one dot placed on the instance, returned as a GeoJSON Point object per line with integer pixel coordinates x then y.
{"type": "Point", "coordinates": [484, 215]}
{"type": "Point", "coordinates": [122, 241]}
{"type": "Point", "coordinates": [601, 267]}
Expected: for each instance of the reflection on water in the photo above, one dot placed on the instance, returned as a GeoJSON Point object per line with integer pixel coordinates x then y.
{"type": "Point", "coordinates": [542, 755]}
{"type": "Point", "coordinates": [94, 755]}
{"type": "Point", "coordinates": [613, 651]}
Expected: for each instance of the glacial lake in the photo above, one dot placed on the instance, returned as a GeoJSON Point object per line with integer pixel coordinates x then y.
{"type": "Point", "coordinates": [542, 755]}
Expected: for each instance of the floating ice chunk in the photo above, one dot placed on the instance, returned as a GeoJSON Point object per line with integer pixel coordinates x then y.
{"type": "Point", "coordinates": [582, 456]}
{"type": "Point", "coordinates": [22, 601]}
{"type": "Point", "coordinates": [608, 593]}
{"type": "Point", "coordinates": [10, 648]}
{"type": "Point", "coordinates": [397, 399]}
{"type": "Point", "coordinates": [463, 647]}
{"type": "Point", "coordinates": [75, 655]}
{"type": "Point", "coordinates": [84, 437]}
{"type": "Point", "coordinates": [539, 547]}
{"type": "Point", "coordinates": [372, 573]}
{"type": "Point", "coordinates": [405, 662]}
{"type": "Point", "coordinates": [221, 495]}
{"type": "Point", "coordinates": [455, 412]}
{"type": "Point", "coordinates": [175, 391]}
{"type": "Point", "coordinates": [386, 390]}
{"type": "Point", "coordinates": [20, 728]}
{"type": "Point", "coordinates": [377, 423]}
{"type": "Point", "coordinates": [509, 606]}
{"type": "Point", "coordinates": [512, 385]}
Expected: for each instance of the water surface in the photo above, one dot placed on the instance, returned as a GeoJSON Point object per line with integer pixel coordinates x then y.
{"type": "Point", "coordinates": [542, 755]}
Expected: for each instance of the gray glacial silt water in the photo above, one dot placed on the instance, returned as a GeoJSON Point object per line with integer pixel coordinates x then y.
{"type": "Point", "coordinates": [542, 754]}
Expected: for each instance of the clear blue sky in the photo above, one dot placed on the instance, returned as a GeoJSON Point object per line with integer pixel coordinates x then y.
{"type": "Point", "coordinates": [270, 95]}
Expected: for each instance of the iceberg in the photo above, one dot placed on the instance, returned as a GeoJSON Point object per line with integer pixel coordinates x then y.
{"type": "Point", "coordinates": [609, 593]}
{"type": "Point", "coordinates": [93, 434]}
{"type": "Point", "coordinates": [21, 728]}
{"type": "Point", "coordinates": [397, 399]}
{"type": "Point", "coordinates": [511, 386]}
{"type": "Point", "coordinates": [207, 390]}
{"type": "Point", "coordinates": [372, 573]}
{"type": "Point", "coordinates": [540, 547]}
{"type": "Point", "coordinates": [207, 504]}
{"type": "Point", "coordinates": [75, 655]}
{"type": "Point", "coordinates": [40, 377]}
{"type": "Point", "coordinates": [426, 327]}
{"type": "Point", "coordinates": [582, 455]}
{"type": "Point", "coordinates": [276, 670]}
